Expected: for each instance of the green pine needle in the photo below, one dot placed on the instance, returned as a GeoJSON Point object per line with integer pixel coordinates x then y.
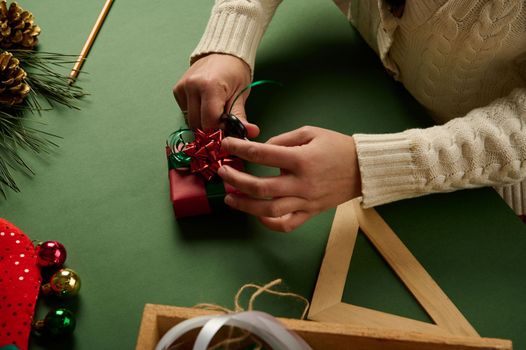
{"type": "Point", "coordinates": [48, 86]}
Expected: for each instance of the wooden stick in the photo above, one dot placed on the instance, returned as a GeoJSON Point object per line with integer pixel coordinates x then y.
{"type": "Point", "coordinates": [158, 319]}
{"type": "Point", "coordinates": [89, 42]}
{"type": "Point", "coordinates": [335, 265]}
{"type": "Point", "coordinates": [326, 302]}
{"type": "Point", "coordinates": [437, 304]}
{"type": "Point", "coordinates": [356, 315]}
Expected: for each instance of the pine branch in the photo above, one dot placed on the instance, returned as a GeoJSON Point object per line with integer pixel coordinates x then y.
{"type": "Point", "coordinates": [15, 135]}
{"type": "Point", "coordinates": [45, 81]}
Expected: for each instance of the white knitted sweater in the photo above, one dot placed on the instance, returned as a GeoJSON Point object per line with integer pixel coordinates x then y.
{"type": "Point", "coordinates": [464, 60]}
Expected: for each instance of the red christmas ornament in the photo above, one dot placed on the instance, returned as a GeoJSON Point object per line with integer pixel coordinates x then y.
{"type": "Point", "coordinates": [19, 285]}
{"type": "Point", "coordinates": [51, 254]}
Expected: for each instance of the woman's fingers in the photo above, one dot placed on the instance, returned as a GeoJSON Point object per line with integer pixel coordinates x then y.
{"type": "Point", "coordinates": [208, 85]}
{"type": "Point", "coordinates": [296, 137]}
{"type": "Point", "coordinates": [238, 109]}
{"type": "Point", "coordinates": [212, 106]}
{"type": "Point", "coordinates": [259, 187]}
{"type": "Point", "coordinates": [310, 181]}
{"type": "Point", "coordinates": [180, 97]}
{"type": "Point", "coordinates": [287, 222]}
{"type": "Point", "coordinates": [265, 207]}
{"type": "Point", "coordinates": [282, 214]}
{"type": "Point", "coordinates": [260, 153]}
{"type": "Point", "coordinates": [194, 109]}
{"type": "Point", "coordinates": [252, 129]}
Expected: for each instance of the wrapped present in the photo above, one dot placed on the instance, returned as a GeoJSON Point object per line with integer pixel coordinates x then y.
{"type": "Point", "coordinates": [193, 160]}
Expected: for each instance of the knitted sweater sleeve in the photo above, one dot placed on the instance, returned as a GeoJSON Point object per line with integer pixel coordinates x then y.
{"type": "Point", "coordinates": [236, 27]}
{"type": "Point", "coordinates": [487, 147]}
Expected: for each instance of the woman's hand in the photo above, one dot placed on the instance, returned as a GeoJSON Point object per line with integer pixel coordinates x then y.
{"type": "Point", "coordinates": [208, 89]}
{"type": "Point", "coordinates": [319, 170]}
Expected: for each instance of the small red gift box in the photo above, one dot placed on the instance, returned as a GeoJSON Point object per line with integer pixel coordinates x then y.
{"type": "Point", "coordinates": [195, 187]}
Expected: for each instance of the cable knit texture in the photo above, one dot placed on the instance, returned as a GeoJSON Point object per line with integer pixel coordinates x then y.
{"type": "Point", "coordinates": [464, 60]}
{"type": "Point", "coordinates": [236, 27]}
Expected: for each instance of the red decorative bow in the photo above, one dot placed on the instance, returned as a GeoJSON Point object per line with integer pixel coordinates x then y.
{"type": "Point", "coordinates": [206, 154]}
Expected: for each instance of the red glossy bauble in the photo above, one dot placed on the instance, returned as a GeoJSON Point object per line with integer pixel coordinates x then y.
{"type": "Point", "coordinates": [51, 254]}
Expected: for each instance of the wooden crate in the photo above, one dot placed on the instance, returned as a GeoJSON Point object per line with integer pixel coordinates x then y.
{"type": "Point", "coordinates": [158, 319]}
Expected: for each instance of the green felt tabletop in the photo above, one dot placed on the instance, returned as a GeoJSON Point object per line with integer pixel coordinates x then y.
{"type": "Point", "coordinates": [104, 192]}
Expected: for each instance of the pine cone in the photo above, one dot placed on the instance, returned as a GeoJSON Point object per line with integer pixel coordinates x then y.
{"type": "Point", "coordinates": [16, 27]}
{"type": "Point", "coordinates": [13, 87]}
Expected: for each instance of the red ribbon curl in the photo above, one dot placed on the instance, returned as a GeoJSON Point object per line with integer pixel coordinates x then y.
{"type": "Point", "coordinates": [206, 154]}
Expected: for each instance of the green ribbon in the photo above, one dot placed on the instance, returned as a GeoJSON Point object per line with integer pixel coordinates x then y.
{"type": "Point", "coordinates": [215, 188]}
{"type": "Point", "coordinates": [176, 142]}
{"type": "Point", "coordinates": [215, 193]}
{"type": "Point", "coordinates": [177, 160]}
{"type": "Point", "coordinates": [180, 138]}
{"type": "Point", "coordinates": [256, 83]}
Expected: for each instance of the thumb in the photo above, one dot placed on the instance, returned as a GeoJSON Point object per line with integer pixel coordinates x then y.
{"type": "Point", "coordinates": [238, 109]}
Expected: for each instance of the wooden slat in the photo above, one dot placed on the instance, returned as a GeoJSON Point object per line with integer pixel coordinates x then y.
{"type": "Point", "coordinates": [149, 333]}
{"type": "Point", "coordinates": [412, 273]}
{"type": "Point", "coordinates": [158, 319]}
{"type": "Point", "coordinates": [335, 266]}
{"type": "Point", "coordinates": [357, 315]}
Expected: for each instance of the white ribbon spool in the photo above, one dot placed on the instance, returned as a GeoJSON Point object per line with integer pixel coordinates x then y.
{"type": "Point", "coordinates": [261, 324]}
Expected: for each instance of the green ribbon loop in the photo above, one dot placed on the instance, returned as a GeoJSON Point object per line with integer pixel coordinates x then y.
{"type": "Point", "coordinates": [256, 83]}
{"type": "Point", "coordinates": [178, 159]}
{"type": "Point", "coordinates": [176, 142]}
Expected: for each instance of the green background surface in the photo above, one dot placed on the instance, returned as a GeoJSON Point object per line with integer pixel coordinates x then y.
{"type": "Point", "coordinates": [104, 192]}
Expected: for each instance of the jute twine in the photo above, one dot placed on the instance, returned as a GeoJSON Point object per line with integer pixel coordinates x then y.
{"type": "Point", "coordinates": [267, 288]}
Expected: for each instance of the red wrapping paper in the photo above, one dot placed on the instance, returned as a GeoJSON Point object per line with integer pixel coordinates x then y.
{"type": "Point", "coordinates": [188, 190]}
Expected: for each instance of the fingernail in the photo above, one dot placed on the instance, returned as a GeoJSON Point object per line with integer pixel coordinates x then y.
{"type": "Point", "coordinates": [228, 199]}
{"type": "Point", "coordinates": [221, 171]}
{"type": "Point", "coordinates": [224, 142]}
